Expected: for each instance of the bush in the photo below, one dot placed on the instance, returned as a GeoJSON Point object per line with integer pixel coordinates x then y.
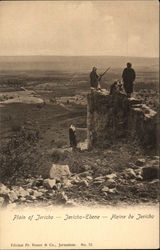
{"type": "Point", "coordinates": [19, 156]}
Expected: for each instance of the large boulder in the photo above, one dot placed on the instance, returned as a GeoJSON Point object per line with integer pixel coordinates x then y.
{"type": "Point", "coordinates": [59, 172]}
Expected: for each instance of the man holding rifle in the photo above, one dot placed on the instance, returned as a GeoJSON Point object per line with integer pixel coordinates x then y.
{"type": "Point", "coordinates": [95, 78]}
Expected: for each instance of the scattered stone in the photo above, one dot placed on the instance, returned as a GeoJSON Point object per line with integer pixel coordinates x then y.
{"type": "Point", "coordinates": [84, 174]}
{"type": "Point", "coordinates": [139, 178]}
{"type": "Point", "coordinates": [59, 172]}
{"type": "Point", "coordinates": [30, 191]}
{"type": "Point", "coordinates": [138, 171]}
{"type": "Point", "coordinates": [156, 181]}
{"type": "Point", "coordinates": [22, 192]}
{"type": "Point", "coordinates": [49, 183]}
{"type": "Point", "coordinates": [19, 191]}
{"type": "Point", "coordinates": [84, 183]}
{"type": "Point", "coordinates": [110, 183]}
{"type": "Point", "coordinates": [30, 183]}
{"type": "Point", "coordinates": [67, 184]}
{"type": "Point", "coordinates": [13, 196]}
{"type": "Point", "coordinates": [38, 182]}
{"type": "Point", "coordinates": [99, 178]}
{"type": "Point", "coordinates": [90, 178]}
{"type": "Point", "coordinates": [154, 162]}
{"type": "Point", "coordinates": [140, 186]}
{"type": "Point", "coordinates": [58, 185]}
{"type": "Point", "coordinates": [86, 167]}
{"type": "Point", "coordinates": [4, 189]}
{"type": "Point", "coordinates": [62, 197]}
{"type": "Point", "coordinates": [28, 201]}
{"type": "Point", "coordinates": [75, 179]}
{"type": "Point", "coordinates": [134, 101]}
{"type": "Point", "coordinates": [98, 161]}
{"type": "Point", "coordinates": [37, 194]}
{"type": "Point", "coordinates": [111, 176]}
{"type": "Point", "coordinates": [156, 157]}
{"type": "Point", "coordinates": [50, 195]}
{"type": "Point", "coordinates": [29, 197]}
{"type": "Point", "coordinates": [112, 191]}
{"type": "Point", "coordinates": [105, 193]}
{"type": "Point", "coordinates": [98, 182]}
{"type": "Point", "coordinates": [105, 189]}
{"type": "Point", "coordinates": [140, 162]}
{"type": "Point", "coordinates": [130, 173]}
{"type": "Point", "coordinates": [150, 172]}
{"type": "Point", "coordinates": [33, 197]}
{"type": "Point", "coordinates": [43, 190]}
{"type": "Point", "coordinates": [22, 199]}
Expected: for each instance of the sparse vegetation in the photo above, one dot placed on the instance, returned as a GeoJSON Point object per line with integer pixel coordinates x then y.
{"type": "Point", "coordinates": [18, 156]}
{"type": "Point", "coordinates": [32, 137]}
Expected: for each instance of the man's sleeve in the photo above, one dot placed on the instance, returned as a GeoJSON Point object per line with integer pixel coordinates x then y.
{"type": "Point", "coordinates": [123, 74]}
{"type": "Point", "coordinates": [97, 75]}
{"type": "Point", "coordinates": [134, 75]}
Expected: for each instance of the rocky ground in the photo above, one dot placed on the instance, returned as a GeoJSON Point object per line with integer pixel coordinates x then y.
{"type": "Point", "coordinates": [96, 179]}
{"type": "Point", "coordinates": [122, 173]}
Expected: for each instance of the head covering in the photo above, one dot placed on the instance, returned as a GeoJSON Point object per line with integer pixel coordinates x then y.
{"type": "Point", "coordinates": [72, 127]}
{"type": "Point", "coordinates": [115, 81]}
{"type": "Point", "coordinates": [94, 68]}
{"type": "Point", "coordinates": [129, 65]}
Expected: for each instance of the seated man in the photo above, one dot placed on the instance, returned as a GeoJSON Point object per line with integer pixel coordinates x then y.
{"type": "Point", "coordinates": [120, 86]}
{"type": "Point", "coordinates": [113, 88]}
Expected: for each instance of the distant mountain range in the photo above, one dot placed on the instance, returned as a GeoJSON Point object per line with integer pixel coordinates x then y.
{"type": "Point", "coordinates": [75, 63]}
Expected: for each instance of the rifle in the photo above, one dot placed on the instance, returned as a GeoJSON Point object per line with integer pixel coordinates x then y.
{"type": "Point", "coordinates": [103, 73]}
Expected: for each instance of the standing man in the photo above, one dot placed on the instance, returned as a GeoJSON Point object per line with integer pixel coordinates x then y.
{"type": "Point", "coordinates": [128, 77]}
{"type": "Point", "coordinates": [72, 136]}
{"type": "Point", "coordinates": [94, 78]}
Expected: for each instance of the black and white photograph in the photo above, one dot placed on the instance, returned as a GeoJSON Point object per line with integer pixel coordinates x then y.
{"type": "Point", "coordinates": [79, 109]}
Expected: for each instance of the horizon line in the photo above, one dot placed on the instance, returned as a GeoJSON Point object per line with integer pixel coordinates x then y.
{"type": "Point", "coordinates": [156, 57]}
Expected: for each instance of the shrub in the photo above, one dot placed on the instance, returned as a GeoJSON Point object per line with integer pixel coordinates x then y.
{"type": "Point", "coordinates": [19, 156]}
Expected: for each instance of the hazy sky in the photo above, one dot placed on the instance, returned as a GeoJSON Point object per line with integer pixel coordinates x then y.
{"type": "Point", "coordinates": [128, 28]}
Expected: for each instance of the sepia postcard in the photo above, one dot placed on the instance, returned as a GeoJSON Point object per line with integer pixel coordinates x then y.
{"type": "Point", "coordinates": [79, 124]}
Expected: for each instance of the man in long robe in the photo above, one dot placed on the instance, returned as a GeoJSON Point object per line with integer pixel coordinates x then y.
{"type": "Point", "coordinates": [128, 77]}
{"type": "Point", "coordinates": [72, 136]}
{"type": "Point", "coordinates": [94, 78]}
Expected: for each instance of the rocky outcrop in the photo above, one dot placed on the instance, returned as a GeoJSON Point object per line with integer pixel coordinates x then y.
{"type": "Point", "coordinates": [111, 117]}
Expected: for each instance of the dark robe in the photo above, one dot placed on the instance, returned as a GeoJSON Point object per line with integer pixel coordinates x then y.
{"type": "Point", "coordinates": [128, 76]}
{"type": "Point", "coordinates": [113, 89]}
{"type": "Point", "coordinates": [94, 79]}
{"type": "Point", "coordinates": [72, 137]}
